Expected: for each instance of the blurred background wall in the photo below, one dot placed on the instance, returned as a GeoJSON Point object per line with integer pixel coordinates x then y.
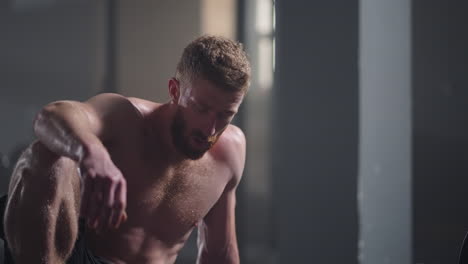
{"type": "Point", "coordinates": [48, 51]}
{"type": "Point", "coordinates": [315, 132]}
{"type": "Point", "coordinates": [356, 119]}
{"type": "Point", "coordinates": [440, 129]}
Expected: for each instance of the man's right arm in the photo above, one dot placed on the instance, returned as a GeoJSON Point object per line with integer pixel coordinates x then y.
{"type": "Point", "coordinates": [76, 130]}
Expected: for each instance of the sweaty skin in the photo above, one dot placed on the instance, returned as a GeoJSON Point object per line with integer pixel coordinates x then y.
{"type": "Point", "coordinates": [167, 198]}
{"type": "Point", "coordinates": [163, 193]}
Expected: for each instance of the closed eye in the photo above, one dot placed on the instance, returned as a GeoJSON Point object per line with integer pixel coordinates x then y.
{"type": "Point", "coordinates": [226, 115]}
{"type": "Point", "coordinates": [199, 107]}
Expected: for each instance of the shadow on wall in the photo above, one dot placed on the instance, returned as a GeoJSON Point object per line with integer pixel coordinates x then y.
{"type": "Point", "coordinates": [7, 164]}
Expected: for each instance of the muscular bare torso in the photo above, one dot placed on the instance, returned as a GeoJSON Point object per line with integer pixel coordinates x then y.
{"type": "Point", "coordinates": [165, 199]}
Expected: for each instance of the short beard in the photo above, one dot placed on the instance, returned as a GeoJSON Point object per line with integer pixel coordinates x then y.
{"type": "Point", "coordinates": [181, 142]}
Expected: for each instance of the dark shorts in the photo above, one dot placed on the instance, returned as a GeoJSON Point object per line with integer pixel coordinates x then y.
{"type": "Point", "coordinates": [80, 255]}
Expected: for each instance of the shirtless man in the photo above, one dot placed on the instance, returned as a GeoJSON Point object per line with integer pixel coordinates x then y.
{"type": "Point", "coordinates": [125, 180]}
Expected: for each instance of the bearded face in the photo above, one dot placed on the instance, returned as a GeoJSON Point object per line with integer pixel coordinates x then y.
{"type": "Point", "coordinates": [193, 143]}
{"type": "Point", "coordinates": [203, 112]}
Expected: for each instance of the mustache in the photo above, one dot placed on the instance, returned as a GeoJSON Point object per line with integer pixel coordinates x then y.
{"type": "Point", "coordinates": [209, 139]}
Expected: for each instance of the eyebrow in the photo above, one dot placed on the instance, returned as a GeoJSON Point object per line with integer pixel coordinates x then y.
{"type": "Point", "coordinates": [198, 102]}
{"type": "Point", "coordinates": [230, 112]}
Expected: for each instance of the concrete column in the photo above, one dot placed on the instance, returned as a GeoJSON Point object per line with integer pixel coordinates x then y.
{"type": "Point", "coordinates": [315, 131]}
{"type": "Point", "coordinates": [385, 132]}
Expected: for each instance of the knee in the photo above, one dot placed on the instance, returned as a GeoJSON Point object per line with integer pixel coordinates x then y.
{"type": "Point", "coordinates": [34, 160]}
{"type": "Point", "coordinates": [40, 157]}
{"type": "Point", "coordinates": [38, 166]}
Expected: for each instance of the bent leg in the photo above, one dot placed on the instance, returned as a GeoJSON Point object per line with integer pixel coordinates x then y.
{"type": "Point", "coordinates": [41, 217]}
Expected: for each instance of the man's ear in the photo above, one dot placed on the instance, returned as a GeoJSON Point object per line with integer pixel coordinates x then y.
{"type": "Point", "coordinates": [174, 89]}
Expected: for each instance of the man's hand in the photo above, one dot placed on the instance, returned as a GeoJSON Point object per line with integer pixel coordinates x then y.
{"type": "Point", "coordinates": [104, 197]}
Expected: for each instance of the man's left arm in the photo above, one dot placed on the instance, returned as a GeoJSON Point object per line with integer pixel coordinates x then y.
{"type": "Point", "coordinates": [217, 240]}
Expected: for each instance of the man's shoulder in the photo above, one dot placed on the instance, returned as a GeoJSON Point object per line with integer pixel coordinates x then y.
{"type": "Point", "coordinates": [230, 149]}
{"type": "Point", "coordinates": [144, 106]}
{"type": "Point", "coordinates": [233, 136]}
{"type": "Point", "coordinates": [231, 141]}
{"type": "Point", "coordinates": [117, 100]}
{"type": "Point", "coordinates": [114, 111]}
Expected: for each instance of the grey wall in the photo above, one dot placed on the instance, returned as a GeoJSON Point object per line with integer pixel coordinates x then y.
{"type": "Point", "coordinates": [151, 36]}
{"type": "Point", "coordinates": [47, 52]}
{"type": "Point", "coordinates": [385, 132]}
{"type": "Point", "coordinates": [315, 131]}
{"type": "Point", "coordinates": [440, 135]}
{"type": "Point", "coordinates": [414, 131]}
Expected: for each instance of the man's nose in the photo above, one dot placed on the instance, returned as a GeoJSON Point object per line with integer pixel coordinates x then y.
{"type": "Point", "coordinates": [209, 128]}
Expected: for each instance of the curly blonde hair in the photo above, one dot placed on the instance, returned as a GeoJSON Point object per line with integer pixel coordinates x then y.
{"type": "Point", "coordinates": [217, 59]}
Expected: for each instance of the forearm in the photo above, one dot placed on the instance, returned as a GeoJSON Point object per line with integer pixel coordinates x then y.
{"type": "Point", "coordinates": [66, 130]}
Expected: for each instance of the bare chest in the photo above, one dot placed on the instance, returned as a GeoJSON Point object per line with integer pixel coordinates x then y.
{"type": "Point", "coordinates": [167, 201]}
